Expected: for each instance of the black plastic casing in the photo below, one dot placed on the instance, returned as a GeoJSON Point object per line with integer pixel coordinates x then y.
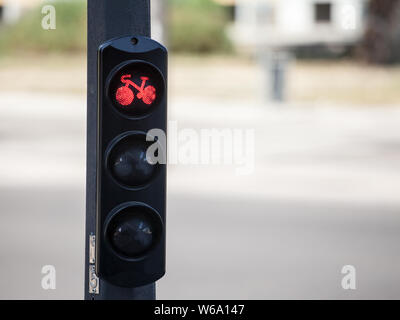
{"type": "Point", "coordinates": [111, 196]}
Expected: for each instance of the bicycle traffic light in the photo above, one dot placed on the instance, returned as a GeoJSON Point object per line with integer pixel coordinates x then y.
{"type": "Point", "coordinates": [131, 189]}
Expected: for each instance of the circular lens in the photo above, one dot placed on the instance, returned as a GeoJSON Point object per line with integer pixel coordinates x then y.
{"type": "Point", "coordinates": [136, 89]}
{"type": "Point", "coordinates": [128, 163]}
{"type": "Point", "coordinates": [134, 231]}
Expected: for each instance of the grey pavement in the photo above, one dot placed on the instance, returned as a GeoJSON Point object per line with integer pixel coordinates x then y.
{"type": "Point", "coordinates": [324, 194]}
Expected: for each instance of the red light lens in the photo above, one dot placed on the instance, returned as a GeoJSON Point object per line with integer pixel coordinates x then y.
{"type": "Point", "coordinates": [149, 95]}
{"type": "Point", "coordinates": [136, 89]}
{"type": "Point", "coordinates": [124, 96]}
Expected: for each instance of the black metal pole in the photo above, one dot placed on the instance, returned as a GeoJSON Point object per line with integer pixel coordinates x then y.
{"type": "Point", "coordinates": [107, 19]}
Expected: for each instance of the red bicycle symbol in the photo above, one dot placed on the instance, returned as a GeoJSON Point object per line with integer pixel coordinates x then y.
{"type": "Point", "coordinates": [125, 95]}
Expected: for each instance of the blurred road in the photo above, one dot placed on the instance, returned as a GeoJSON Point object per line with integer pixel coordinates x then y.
{"type": "Point", "coordinates": [324, 194]}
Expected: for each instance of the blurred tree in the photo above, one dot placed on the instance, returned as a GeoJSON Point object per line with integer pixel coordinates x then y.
{"type": "Point", "coordinates": [381, 42]}
{"type": "Point", "coordinates": [27, 34]}
{"type": "Point", "coordinates": [197, 26]}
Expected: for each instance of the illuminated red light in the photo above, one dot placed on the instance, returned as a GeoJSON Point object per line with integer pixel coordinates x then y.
{"type": "Point", "coordinates": [125, 95]}
{"type": "Point", "coordinates": [149, 95]}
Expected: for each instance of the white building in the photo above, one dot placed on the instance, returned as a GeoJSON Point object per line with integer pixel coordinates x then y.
{"type": "Point", "coordinates": [11, 10]}
{"type": "Point", "coordinates": [294, 23]}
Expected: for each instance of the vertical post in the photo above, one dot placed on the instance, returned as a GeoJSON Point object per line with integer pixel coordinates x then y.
{"type": "Point", "coordinates": [275, 67]}
{"type": "Point", "coordinates": [158, 20]}
{"type": "Point", "coordinates": [106, 20]}
{"type": "Point", "coordinates": [278, 66]}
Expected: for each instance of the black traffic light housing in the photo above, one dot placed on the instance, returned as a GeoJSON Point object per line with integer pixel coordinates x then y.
{"type": "Point", "coordinates": [131, 192]}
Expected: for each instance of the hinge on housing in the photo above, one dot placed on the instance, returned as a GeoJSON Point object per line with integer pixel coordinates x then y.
{"type": "Point", "coordinates": [92, 249]}
{"type": "Point", "coordinates": [93, 278]}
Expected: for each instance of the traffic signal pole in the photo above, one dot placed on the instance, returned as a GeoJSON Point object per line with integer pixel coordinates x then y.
{"type": "Point", "coordinates": [107, 20]}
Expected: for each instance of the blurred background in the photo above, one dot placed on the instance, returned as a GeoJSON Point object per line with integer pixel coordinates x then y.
{"type": "Point", "coordinates": [318, 81]}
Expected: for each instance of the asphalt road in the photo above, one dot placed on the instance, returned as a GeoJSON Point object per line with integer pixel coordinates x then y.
{"type": "Point", "coordinates": [324, 194]}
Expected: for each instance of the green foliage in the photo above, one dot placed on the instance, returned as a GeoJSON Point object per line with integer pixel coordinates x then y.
{"type": "Point", "coordinates": [197, 26]}
{"type": "Point", "coordinates": [28, 35]}
{"type": "Point", "coordinates": [194, 26]}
